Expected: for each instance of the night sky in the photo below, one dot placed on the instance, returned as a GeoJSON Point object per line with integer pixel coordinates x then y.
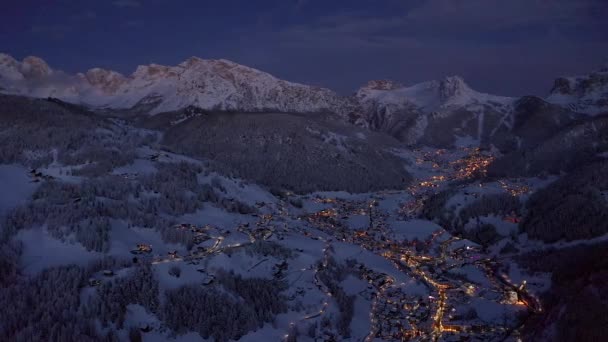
{"type": "Point", "coordinates": [507, 47]}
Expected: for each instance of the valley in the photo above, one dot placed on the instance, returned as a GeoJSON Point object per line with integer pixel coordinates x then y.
{"type": "Point", "coordinates": [423, 284]}
{"type": "Point", "coordinates": [210, 201]}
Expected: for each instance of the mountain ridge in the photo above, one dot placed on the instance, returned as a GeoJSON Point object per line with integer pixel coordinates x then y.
{"type": "Point", "coordinates": [208, 84]}
{"type": "Point", "coordinates": [413, 113]}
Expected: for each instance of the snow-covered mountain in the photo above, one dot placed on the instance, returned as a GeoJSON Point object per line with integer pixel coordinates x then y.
{"type": "Point", "coordinates": [410, 112]}
{"type": "Point", "coordinates": [438, 113]}
{"type": "Point", "coordinates": [433, 96]}
{"type": "Point", "coordinates": [207, 84]}
{"type": "Point", "coordinates": [584, 94]}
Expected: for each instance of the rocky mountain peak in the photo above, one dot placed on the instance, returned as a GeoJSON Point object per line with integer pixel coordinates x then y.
{"type": "Point", "coordinates": [192, 62]}
{"type": "Point", "coordinates": [7, 59]}
{"type": "Point", "coordinates": [35, 67]}
{"type": "Point", "coordinates": [452, 86]}
{"type": "Point", "coordinates": [152, 71]}
{"type": "Point", "coordinates": [561, 85]}
{"type": "Point", "coordinates": [107, 80]}
{"type": "Point", "coordinates": [584, 93]}
{"type": "Point", "coordinates": [382, 85]}
{"type": "Point", "coordinates": [9, 68]}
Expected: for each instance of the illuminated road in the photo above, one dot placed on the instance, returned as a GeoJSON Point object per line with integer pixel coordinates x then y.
{"type": "Point", "coordinates": [213, 250]}
{"type": "Point", "coordinates": [422, 264]}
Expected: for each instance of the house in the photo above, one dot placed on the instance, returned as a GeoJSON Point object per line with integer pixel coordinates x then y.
{"type": "Point", "coordinates": [144, 248]}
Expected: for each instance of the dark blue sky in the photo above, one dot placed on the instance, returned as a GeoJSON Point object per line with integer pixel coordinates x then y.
{"type": "Point", "coordinates": [512, 47]}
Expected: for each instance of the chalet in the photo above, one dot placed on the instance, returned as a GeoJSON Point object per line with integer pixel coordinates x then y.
{"type": "Point", "coordinates": [144, 248]}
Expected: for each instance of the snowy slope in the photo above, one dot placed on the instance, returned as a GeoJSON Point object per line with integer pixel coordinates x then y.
{"type": "Point", "coordinates": [438, 113]}
{"type": "Point", "coordinates": [428, 96]}
{"type": "Point", "coordinates": [408, 113]}
{"type": "Point", "coordinates": [207, 84]}
{"type": "Point", "coordinates": [224, 85]}
{"type": "Point", "coordinates": [586, 94]}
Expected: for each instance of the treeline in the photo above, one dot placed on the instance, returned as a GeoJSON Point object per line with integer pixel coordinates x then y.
{"type": "Point", "coordinates": [289, 152]}
{"type": "Point", "coordinates": [272, 248]}
{"type": "Point", "coordinates": [224, 312]}
{"type": "Point", "coordinates": [47, 307]}
{"type": "Point", "coordinates": [50, 305]}
{"type": "Point", "coordinates": [112, 297]}
{"type": "Point", "coordinates": [10, 252]}
{"type": "Point", "coordinates": [485, 234]}
{"type": "Point", "coordinates": [85, 210]}
{"type": "Point", "coordinates": [29, 125]}
{"type": "Point", "coordinates": [331, 275]}
{"type": "Point", "coordinates": [574, 207]}
{"type": "Point", "coordinates": [574, 145]}
{"type": "Point", "coordinates": [454, 220]}
{"type": "Point", "coordinates": [500, 204]}
{"type": "Point", "coordinates": [434, 208]}
{"type": "Point", "coordinates": [34, 131]}
{"type": "Point", "coordinates": [578, 297]}
{"type": "Point", "coordinates": [264, 295]}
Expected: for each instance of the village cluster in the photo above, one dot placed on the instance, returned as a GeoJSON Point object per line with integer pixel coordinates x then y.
{"type": "Point", "coordinates": [439, 264]}
{"type": "Point", "coordinates": [398, 315]}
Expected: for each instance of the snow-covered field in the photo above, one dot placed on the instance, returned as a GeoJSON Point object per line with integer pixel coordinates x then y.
{"type": "Point", "coordinates": [352, 267]}
{"type": "Point", "coordinates": [17, 186]}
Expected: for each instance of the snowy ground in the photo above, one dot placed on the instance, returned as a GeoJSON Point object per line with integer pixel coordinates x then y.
{"type": "Point", "coordinates": [17, 186]}
{"type": "Point", "coordinates": [327, 225]}
{"type": "Point", "coordinates": [42, 251]}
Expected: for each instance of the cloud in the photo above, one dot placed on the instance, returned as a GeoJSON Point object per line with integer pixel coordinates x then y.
{"type": "Point", "coordinates": [126, 3]}
{"type": "Point", "coordinates": [450, 25]}
{"type": "Point", "coordinates": [476, 21]}
{"type": "Point", "coordinates": [510, 47]}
